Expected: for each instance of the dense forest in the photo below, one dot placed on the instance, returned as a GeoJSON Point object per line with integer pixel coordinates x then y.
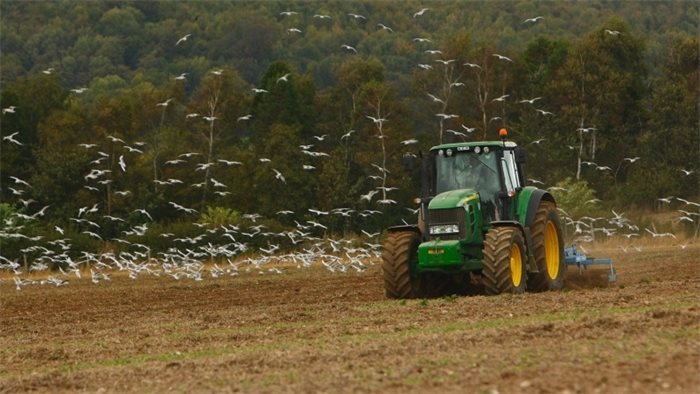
{"type": "Point", "coordinates": [301, 111]}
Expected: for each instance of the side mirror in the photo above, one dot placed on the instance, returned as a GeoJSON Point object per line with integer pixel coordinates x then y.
{"type": "Point", "coordinates": [520, 155]}
{"type": "Point", "coordinates": [409, 160]}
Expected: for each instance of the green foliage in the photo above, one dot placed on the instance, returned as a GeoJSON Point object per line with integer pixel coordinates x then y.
{"type": "Point", "coordinates": [219, 216]}
{"type": "Point", "coordinates": [575, 197]}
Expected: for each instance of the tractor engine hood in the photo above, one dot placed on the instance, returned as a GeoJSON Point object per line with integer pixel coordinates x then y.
{"type": "Point", "coordinates": [453, 199]}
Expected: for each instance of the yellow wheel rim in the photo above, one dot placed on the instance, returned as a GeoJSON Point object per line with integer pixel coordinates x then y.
{"type": "Point", "coordinates": [516, 265]}
{"type": "Point", "coordinates": [551, 250]}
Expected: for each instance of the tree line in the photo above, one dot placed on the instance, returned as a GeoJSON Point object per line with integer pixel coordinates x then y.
{"type": "Point", "coordinates": [110, 108]}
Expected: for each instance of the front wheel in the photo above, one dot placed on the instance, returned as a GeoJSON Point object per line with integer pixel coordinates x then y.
{"type": "Point", "coordinates": [504, 261]}
{"type": "Point", "coordinates": [400, 254]}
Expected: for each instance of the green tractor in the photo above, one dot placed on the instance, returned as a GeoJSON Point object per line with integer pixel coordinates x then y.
{"type": "Point", "coordinates": [480, 229]}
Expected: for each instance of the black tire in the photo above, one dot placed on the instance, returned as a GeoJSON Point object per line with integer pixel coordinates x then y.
{"type": "Point", "coordinates": [504, 261]}
{"type": "Point", "coordinates": [548, 249]}
{"type": "Point", "coordinates": [400, 250]}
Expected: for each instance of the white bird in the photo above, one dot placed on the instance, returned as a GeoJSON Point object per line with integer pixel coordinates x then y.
{"type": "Point", "coordinates": [435, 98]}
{"type": "Point", "coordinates": [181, 208]}
{"type": "Point", "coordinates": [421, 12]}
{"type": "Point", "coordinates": [79, 90]}
{"type": "Point", "coordinates": [530, 101]}
{"type": "Point", "coordinates": [132, 150]}
{"type": "Point", "coordinates": [447, 116]}
{"type": "Point", "coordinates": [48, 71]}
{"type": "Point", "coordinates": [347, 135]}
{"type": "Point", "coordinates": [203, 166]}
{"type": "Point", "coordinates": [322, 16]}
{"type": "Point", "coordinates": [631, 159]}
{"type": "Point", "coordinates": [433, 51]}
{"type": "Point", "coordinates": [10, 138]}
{"type": "Point", "coordinates": [469, 129]}
{"type": "Point", "coordinates": [320, 137]}
{"type": "Point", "coordinates": [163, 104]}
{"type": "Point", "coordinates": [376, 120]}
{"type": "Point", "coordinates": [455, 132]}
{"type": "Point", "coordinates": [192, 115]}
{"type": "Point", "coordinates": [217, 183]}
{"type": "Point", "coordinates": [229, 162]}
{"type": "Point", "coordinates": [686, 172]}
{"type": "Point", "coordinates": [385, 27]}
{"type": "Point", "coordinates": [501, 57]}
{"type": "Point", "coordinates": [308, 167]}
{"type": "Point", "coordinates": [369, 195]}
{"type": "Point", "coordinates": [181, 77]}
{"type": "Point", "coordinates": [425, 66]}
{"type": "Point", "coordinates": [59, 230]}
{"type": "Point", "coordinates": [182, 39]}
{"type": "Point", "coordinates": [9, 110]}
{"type": "Point", "coordinates": [217, 72]}
{"type": "Point", "coordinates": [20, 181]}
{"type": "Point", "coordinates": [445, 62]}
{"type": "Point", "coordinates": [257, 90]}
{"type": "Point", "coordinates": [612, 32]}
{"type": "Point", "coordinates": [264, 160]}
{"type": "Point", "coordinates": [472, 65]}
{"type": "Point", "coordinates": [288, 13]}
{"type": "Point", "coordinates": [533, 20]}
{"type": "Point", "coordinates": [420, 39]}
{"type": "Point", "coordinates": [349, 48]}
{"type": "Point", "coordinates": [283, 78]}
{"type": "Point", "coordinates": [502, 98]}
{"type": "Point", "coordinates": [293, 30]}
{"type": "Point", "coordinates": [356, 16]}
{"type": "Point", "coordinates": [90, 233]}
{"type": "Point", "coordinates": [122, 163]}
{"type": "Point", "coordinates": [543, 112]}
{"type": "Point", "coordinates": [538, 141]}
{"type": "Point", "coordinates": [279, 175]}
{"type": "Point", "coordinates": [244, 117]}
{"type": "Point", "coordinates": [603, 168]}
{"type": "Point", "coordinates": [143, 212]}
{"type": "Point", "coordinates": [209, 118]}
{"type": "Point", "coordinates": [409, 141]}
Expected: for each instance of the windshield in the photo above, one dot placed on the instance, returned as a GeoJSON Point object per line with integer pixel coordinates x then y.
{"type": "Point", "coordinates": [468, 170]}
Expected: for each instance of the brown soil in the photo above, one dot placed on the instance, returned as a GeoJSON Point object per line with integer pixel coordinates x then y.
{"type": "Point", "coordinates": [310, 330]}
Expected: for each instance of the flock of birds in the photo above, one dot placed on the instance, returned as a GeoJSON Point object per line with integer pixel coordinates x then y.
{"type": "Point", "coordinates": [228, 250]}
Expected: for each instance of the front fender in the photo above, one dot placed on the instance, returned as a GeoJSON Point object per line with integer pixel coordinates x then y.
{"type": "Point", "coordinates": [404, 227]}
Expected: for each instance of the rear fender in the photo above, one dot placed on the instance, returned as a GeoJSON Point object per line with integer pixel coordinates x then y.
{"type": "Point", "coordinates": [535, 198]}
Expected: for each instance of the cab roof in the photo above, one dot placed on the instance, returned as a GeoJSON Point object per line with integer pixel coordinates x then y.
{"type": "Point", "coordinates": [490, 144]}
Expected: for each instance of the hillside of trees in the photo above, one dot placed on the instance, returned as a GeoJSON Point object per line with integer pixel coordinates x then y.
{"type": "Point", "coordinates": [240, 108]}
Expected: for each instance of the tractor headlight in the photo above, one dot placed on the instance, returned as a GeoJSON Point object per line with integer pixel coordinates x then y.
{"type": "Point", "coordinates": [444, 229]}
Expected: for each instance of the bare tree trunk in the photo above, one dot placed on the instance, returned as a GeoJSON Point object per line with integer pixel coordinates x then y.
{"type": "Point", "coordinates": [213, 104]}
{"type": "Point", "coordinates": [580, 149]}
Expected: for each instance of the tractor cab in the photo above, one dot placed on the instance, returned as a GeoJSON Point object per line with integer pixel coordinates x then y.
{"type": "Point", "coordinates": [491, 170]}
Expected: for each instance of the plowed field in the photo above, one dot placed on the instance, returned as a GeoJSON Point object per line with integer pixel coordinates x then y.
{"type": "Point", "coordinates": [310, 330]}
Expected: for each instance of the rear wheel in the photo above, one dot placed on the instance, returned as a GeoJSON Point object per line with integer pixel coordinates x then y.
{"type": "Point", "coordinates": [399, 255]}
{"type": "Point", "coordinates": [504, 261]}
{"type": "Point", "coordinates": [548, 249]}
